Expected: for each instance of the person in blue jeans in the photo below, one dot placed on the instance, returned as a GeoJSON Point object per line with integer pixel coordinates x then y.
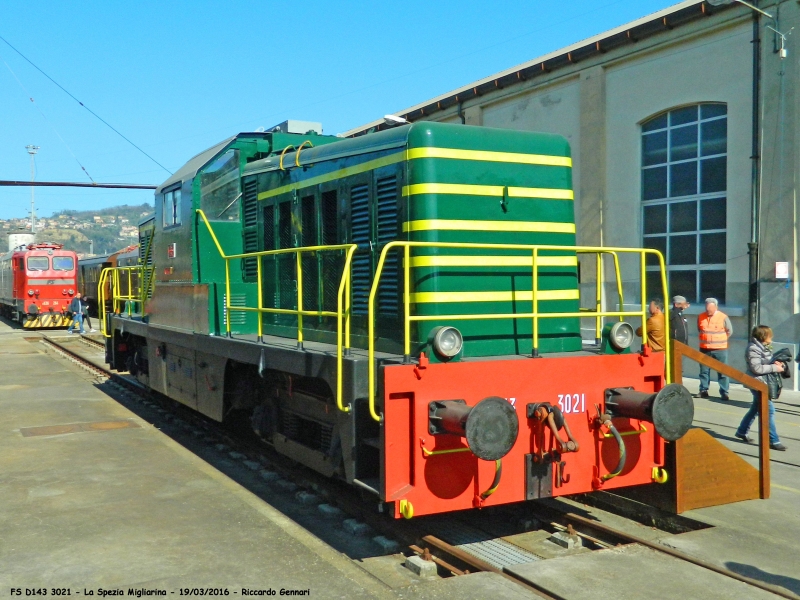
{"type": "Point", "coordinates": [759, 363]}
{"type": "Point", "coordinates": [76, 309]}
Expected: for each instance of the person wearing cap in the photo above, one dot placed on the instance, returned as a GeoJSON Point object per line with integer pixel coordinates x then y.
{"type": "Point", "coordinates": [656, 332]}
{"type": "Point", "coordinates": [678, 325]}
{"type": "Point", "coordinates": [714, 328]}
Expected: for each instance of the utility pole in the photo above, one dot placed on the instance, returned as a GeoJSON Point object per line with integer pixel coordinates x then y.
{"type": "Point", "coordinates": [32, 150]}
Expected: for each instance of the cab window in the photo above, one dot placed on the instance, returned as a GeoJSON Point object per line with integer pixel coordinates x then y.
{"type": "Point", "coordinates": [219, 188]}
{"type": "Point", "coordinates": [63, 263]}
{"type": "Point", "coordinates": [38, 263]}
{"type": "Point", "coordinates": [172, 207]}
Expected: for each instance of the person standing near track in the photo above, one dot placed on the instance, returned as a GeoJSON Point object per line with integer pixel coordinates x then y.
{"type": "Point", "coordinates": [656, 331]}
{"type": "Point", "coordinates": [714, 328]}
{"type": "Point", "coordinates": [85, 314]}
{"type": "Point", "coordinates": [759, 364]}
{"type": "Point", "coordinates": [76, 308]}
{"type": "Point", "coordinates": [678, 326]}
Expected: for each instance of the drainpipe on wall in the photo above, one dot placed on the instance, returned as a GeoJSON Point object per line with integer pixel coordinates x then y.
{"type": "Point", "coordinates": [755, 199]}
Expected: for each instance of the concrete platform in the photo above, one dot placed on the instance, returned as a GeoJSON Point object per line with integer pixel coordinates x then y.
{"type": "Point", "coordinates": [757, 538]}
{"type": "Point", "coordinates": [107, 500]}
{"type": "Point", "coordinates": [90, 503]}
{"type": "Point", "coordinates": [631, 573]}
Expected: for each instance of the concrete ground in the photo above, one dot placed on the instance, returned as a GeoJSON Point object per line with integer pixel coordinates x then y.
{"type": "Point", "coordinates": [119, 504]}
{"type": "Point", "coordinates": [757, 538]}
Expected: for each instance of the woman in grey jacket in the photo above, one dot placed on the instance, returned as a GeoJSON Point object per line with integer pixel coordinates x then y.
{"type": "Point", "coordinates": [759, 363]}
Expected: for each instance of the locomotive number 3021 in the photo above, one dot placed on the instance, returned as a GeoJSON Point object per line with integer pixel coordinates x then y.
{"type": "Point", "coordinates": [572, 403]}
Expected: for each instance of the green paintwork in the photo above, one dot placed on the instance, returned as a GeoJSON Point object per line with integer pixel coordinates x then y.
{"type": "Point", "coordinates": [606, 347]}
{"type": "Point", "coordinates": [197, 259]}
{"type": "Point", "coordinates": [482, 338]}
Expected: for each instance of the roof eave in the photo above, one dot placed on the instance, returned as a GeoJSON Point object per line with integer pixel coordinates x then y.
{"type": "Point", "coordinates": [634, 31]}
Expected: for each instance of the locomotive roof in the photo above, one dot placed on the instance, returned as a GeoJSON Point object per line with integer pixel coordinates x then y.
{"type": "Point", "coordinates": [94, 260]}
{"type": "Point", "coordinates": [424, 133]}
{"type": "Point", "coordinates": [24, 251]}
{"type": "Point", "coordinates": [190, 169]}
{"type": "Point", "coordinates": [396, 137]}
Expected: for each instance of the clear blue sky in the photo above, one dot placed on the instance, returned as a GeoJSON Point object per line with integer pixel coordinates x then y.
{"type": "Point", "coordinates": [177, 77]}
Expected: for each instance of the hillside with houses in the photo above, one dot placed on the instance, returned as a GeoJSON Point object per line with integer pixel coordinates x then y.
{"type": "Point", "coordinates": [97, 231]}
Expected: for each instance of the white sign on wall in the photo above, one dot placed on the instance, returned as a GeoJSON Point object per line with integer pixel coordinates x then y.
{"type": "Point", "coordinates": [781, 270]}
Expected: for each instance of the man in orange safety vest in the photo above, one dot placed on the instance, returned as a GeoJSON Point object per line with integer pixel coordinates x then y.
{"type": "Point", "coordinates": [714, 328]}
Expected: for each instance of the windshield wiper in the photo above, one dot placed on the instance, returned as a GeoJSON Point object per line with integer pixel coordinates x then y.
{"type": "Point", "coordinates": [224, 210]}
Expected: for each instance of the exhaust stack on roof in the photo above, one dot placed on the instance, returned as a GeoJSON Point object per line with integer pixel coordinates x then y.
{"type": "Point", "coordinates": [300, 127]}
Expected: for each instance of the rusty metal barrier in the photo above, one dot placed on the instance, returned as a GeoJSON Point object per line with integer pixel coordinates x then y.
{"type": "Point", "coordinates": [680, 350]}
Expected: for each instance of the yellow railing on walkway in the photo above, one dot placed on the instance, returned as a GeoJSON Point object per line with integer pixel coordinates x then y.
{"type": "Point", "coordinates": [342, 313]}
{"type": "Point", "coordinates": [599, 288]}
{"type": "Point", "coordinates": [535, 315]}
{"type": "Point", "coordinates": [124, 290]}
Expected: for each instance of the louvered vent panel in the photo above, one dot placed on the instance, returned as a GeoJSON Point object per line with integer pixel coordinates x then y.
{"type": "Point", "coordinates": [388, 302]}
{"type": "Point", "coordinates": [269, 228]}
{"type": "Point", "coordinates": [360, 234]}
{"type": "Point", "coordinates": [269, 264]}
{"type": "Point", "coordinates": [250, 238]}
{"type": "Point", "coordinates": [332, 262]}
{"type": "Point", "coordinates": [286, 262]}
{"type": "Point", "coordinates": [146, 259]}
{"type": "Point", "coordinates": [238, 317]}
{"type": "Point", "coordinates": [308, 237]}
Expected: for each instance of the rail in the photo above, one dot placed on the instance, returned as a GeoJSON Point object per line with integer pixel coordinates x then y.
{"type": "Point", "coordinates": [342, 313]}
{"type": "Point", "coordinates": [129, 299]}
{"type": "Point", "coordinates": [679, 351]}
{"type": "Point", "coordinates": [535, 315]}
{"type": "Point", "coordinates": [599, 289]}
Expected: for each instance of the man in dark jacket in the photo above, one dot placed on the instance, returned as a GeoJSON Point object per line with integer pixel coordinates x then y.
{"type": "Point", "coordinates": [76, 309]}
{"type": "Point", "coordinates": [678, 326]}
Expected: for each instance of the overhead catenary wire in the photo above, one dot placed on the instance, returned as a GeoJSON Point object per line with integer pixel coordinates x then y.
{"type": "Point", "coordinates": [27, 93]}
{"type": "Point", "coordinates": [122, 186]}
{"type": "Point", "coordinates": [98, 117]}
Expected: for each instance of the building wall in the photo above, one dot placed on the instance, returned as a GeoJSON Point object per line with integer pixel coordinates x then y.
{"type": "Point", "coordinates": [599, 105]}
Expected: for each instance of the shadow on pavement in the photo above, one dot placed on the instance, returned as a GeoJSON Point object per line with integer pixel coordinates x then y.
{"type": "Point", "coordinates": [790, 583]}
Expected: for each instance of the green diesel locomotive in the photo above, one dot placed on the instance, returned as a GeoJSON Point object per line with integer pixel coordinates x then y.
{"type": "Point", "coordinates": [400, 310]}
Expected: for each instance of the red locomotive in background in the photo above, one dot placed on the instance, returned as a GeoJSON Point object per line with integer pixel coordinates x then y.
{"type": "Point", "coordinates": [37, 283]}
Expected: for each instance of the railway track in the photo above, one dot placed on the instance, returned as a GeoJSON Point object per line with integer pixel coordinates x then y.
{"type": "Point", "coordinates": [456, 546]}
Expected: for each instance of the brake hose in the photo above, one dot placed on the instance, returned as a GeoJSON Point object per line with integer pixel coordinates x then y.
{"type": "Point", "coordinates": [498, 471]}
{"type": "Point", "coordinates": [621, 444]}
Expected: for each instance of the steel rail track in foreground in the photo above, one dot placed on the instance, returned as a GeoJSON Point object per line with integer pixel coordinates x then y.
{"type": "Point", "coordinates": [92, 342]}
{"type": "Point", "coordinates": [450, 558]}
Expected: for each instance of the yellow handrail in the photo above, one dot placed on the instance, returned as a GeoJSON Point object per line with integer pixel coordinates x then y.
{"type": "Point", "coordinates": [599, 290]}
{"type": "Point", "coordinates": [133, 298]}
{"type": "Point", "coordinates": [535, 314]}
{"type": "Point", "coordinates": [342, 301]}
{"type": "Point", "coordinates": [297, 152]}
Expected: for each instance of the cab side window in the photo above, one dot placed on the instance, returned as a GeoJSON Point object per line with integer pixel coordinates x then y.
{"type": "Point", "coordinates": [171, 207]}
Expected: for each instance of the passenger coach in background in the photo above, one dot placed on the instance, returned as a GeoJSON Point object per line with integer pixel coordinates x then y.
{"type": "Point", "coordinates": [402, 311]}
{"type": "Point", "coordinates": [37, 283]}
{"type": "Point", "coordinates": [90, 269]}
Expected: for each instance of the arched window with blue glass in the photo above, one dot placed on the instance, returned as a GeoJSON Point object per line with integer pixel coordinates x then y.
{"type": "Point", "coordinates": [684, 202]}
